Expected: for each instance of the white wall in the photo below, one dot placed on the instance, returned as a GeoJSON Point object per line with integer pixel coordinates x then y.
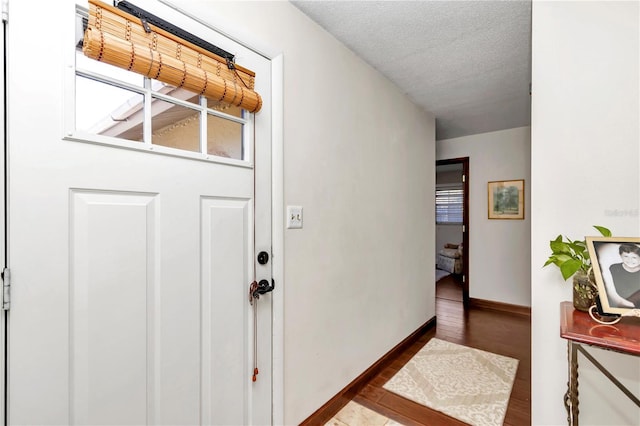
{"type": "Point", "coordinates": [585, 159]}
{"type": "Point", "coordinates": [499, 250]}
{"type": "Point", "coordinates": [360, 159]}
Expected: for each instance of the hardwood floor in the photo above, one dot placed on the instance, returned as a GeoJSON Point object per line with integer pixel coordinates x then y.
{"type": "Point", "coordinates": [449, 287]}
{"type": "Point", "coordinates": [490, 330]}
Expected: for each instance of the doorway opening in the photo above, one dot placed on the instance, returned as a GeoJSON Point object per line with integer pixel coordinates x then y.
{"type": "Point", "coordinates": [452, 221]}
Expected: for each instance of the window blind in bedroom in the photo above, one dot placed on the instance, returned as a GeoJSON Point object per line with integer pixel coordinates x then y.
{"type": "Point", "coordinates": [126, 41]}
{"type": "Point", "coordinates": [449, 205]}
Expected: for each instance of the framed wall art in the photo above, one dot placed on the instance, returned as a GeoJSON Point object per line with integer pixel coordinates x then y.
{"type": "Point", "coordinates": [506, 199]}
{"type": "Point", "coordinates": [616, 269]}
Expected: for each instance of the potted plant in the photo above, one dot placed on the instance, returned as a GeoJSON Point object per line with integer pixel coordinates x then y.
{"type": "Point", "coordinates": [572, 257]}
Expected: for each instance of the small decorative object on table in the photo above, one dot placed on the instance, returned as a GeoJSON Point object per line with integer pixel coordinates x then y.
{"type": "Point", "coordinates": [572, 257]}
{"type": "Point", "coordinates": [616, 268]}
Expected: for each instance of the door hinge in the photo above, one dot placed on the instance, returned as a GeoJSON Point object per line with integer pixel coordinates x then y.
{"type": "Point", "coordinates": [5, 10]}
{"type": "Point", "coordinates": [464, 278]}
{"type": "Point", "coordinates": [464, 228]}
{"type": "Point", "coordinates": [6, 289]}
{"type": "Point", "coordinates": [464, 178]}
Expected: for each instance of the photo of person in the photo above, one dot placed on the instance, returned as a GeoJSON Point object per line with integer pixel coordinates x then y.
{"type": "Point", "coordinates": [626, 277]}
{"type": "Point", "coordinates": [619, 265]}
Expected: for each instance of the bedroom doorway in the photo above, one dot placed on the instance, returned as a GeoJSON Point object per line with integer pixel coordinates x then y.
{"type": "Point", "coordinates": [452, 228]}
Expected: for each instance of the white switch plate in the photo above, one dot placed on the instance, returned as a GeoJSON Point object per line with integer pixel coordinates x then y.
{"type": "Point", "coordinates": [294, 217]}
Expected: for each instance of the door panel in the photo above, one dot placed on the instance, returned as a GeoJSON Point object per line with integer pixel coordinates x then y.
{"type": "Point", "coordinates": [111, 306]}
{"type": "Point", "coordinates": [222, 219]}
{"type": "Point", "coordinates": [130, 268]}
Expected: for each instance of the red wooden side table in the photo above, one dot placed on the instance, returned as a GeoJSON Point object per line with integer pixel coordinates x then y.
{"type": "Point", "coordinates": [581, 331]}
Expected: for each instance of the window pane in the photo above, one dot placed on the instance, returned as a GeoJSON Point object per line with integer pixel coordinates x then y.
{"type": "Point", "coordinates": [92, 65]}
{"type": "Point", "coordinates": [227, 109]}
{"type": "Point", "coordinates": [98, 67]}
{"type": "Point", "coordinates": [103, 109]}
{"type": "Point", "coordinates": [224, 138]}
{"type": "Point", "coordinates": [175, 126]}
{"type": "Point", "coordinates": [175, 92]}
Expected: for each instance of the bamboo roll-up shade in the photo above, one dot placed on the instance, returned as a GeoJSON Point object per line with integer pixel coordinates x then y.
{"type": "Point", "coordinates": [117, 38]}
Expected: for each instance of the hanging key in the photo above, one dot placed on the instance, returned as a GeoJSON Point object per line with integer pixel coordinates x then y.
{"type": "Point", "coordinates": [263, 287]}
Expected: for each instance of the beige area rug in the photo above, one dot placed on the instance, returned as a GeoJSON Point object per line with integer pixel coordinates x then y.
{"type": "Point", "coordinates": [465, 383]}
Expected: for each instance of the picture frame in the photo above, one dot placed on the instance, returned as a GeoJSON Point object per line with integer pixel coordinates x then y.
{"type": "Point", "coordinates": [505, 199]}
{"type": "Point", "coordinates": [616, 268]}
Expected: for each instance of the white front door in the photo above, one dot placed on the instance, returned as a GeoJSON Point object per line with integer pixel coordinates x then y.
{"type": "Point", "coordinates": [130, 267]}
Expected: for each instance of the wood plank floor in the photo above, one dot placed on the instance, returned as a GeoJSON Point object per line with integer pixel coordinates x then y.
{"type": "Point", "coordinates": [488, 330]}
{"type": "Point", "coordinates": [449, 287]}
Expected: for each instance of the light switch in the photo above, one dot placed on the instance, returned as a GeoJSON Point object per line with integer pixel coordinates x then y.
{"type": "Point", "coordinates": [294, 217]}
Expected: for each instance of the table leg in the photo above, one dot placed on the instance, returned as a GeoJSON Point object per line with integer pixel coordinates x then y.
{"type": "Point", "coordinates": [571, 396]}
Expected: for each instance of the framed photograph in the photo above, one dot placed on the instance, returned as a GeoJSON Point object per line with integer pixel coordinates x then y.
{"type": "Point", "coordinates": [506, 199]}
{"type": "Point", "coordinates": [616, 268]}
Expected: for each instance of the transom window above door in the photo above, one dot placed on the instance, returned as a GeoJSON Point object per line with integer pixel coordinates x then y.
{"type": "Point", "coordinates": [119, 107]}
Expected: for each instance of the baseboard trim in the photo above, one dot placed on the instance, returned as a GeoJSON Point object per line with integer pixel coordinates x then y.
{"type": "Point", "coordinates": [323, 414]}
{"type": "Point", "coordinates": [500, 306]}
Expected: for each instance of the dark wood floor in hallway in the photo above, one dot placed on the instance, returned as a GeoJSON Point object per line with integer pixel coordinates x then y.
{"type": "Point", "coordinates": [489, 330]}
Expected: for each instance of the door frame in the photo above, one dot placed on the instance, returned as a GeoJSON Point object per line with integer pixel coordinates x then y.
{"type": "Point", "coordinates": [464, 161]}
{"type": "Point", "coordinates": [254, 43]}
{"type": "Point", "coordinates": [3, 217]}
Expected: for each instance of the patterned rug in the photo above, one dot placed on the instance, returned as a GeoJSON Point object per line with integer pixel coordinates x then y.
{"type": "Point", "coordinates": [465, 383]}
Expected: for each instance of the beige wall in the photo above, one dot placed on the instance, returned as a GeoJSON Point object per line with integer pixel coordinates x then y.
{"type": "Point", "coordinates": [359, 157]}
{"type": "Point", "coordinates": [585, 160]}
{"type": "Point", "coordinates": [499, 250]}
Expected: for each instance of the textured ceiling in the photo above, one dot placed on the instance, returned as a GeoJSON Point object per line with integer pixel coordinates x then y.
{"type": "Point", "coordinates": [467, 62]}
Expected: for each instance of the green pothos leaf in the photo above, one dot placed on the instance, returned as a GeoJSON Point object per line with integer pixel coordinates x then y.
{"type": "Point", "coordinates": [604, 231]}
{"type": "Point", "coordinates": [559, 247]}
{"type": "Point", "coordinates": [569, 268]}
{"type": "Point", "coordinates": [562, 258]}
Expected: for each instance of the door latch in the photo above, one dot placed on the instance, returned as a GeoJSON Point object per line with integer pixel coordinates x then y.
{"type": "Point", "coordinates": [263, 287]}
{"type": "Point", "coordinates": [6, 287]}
